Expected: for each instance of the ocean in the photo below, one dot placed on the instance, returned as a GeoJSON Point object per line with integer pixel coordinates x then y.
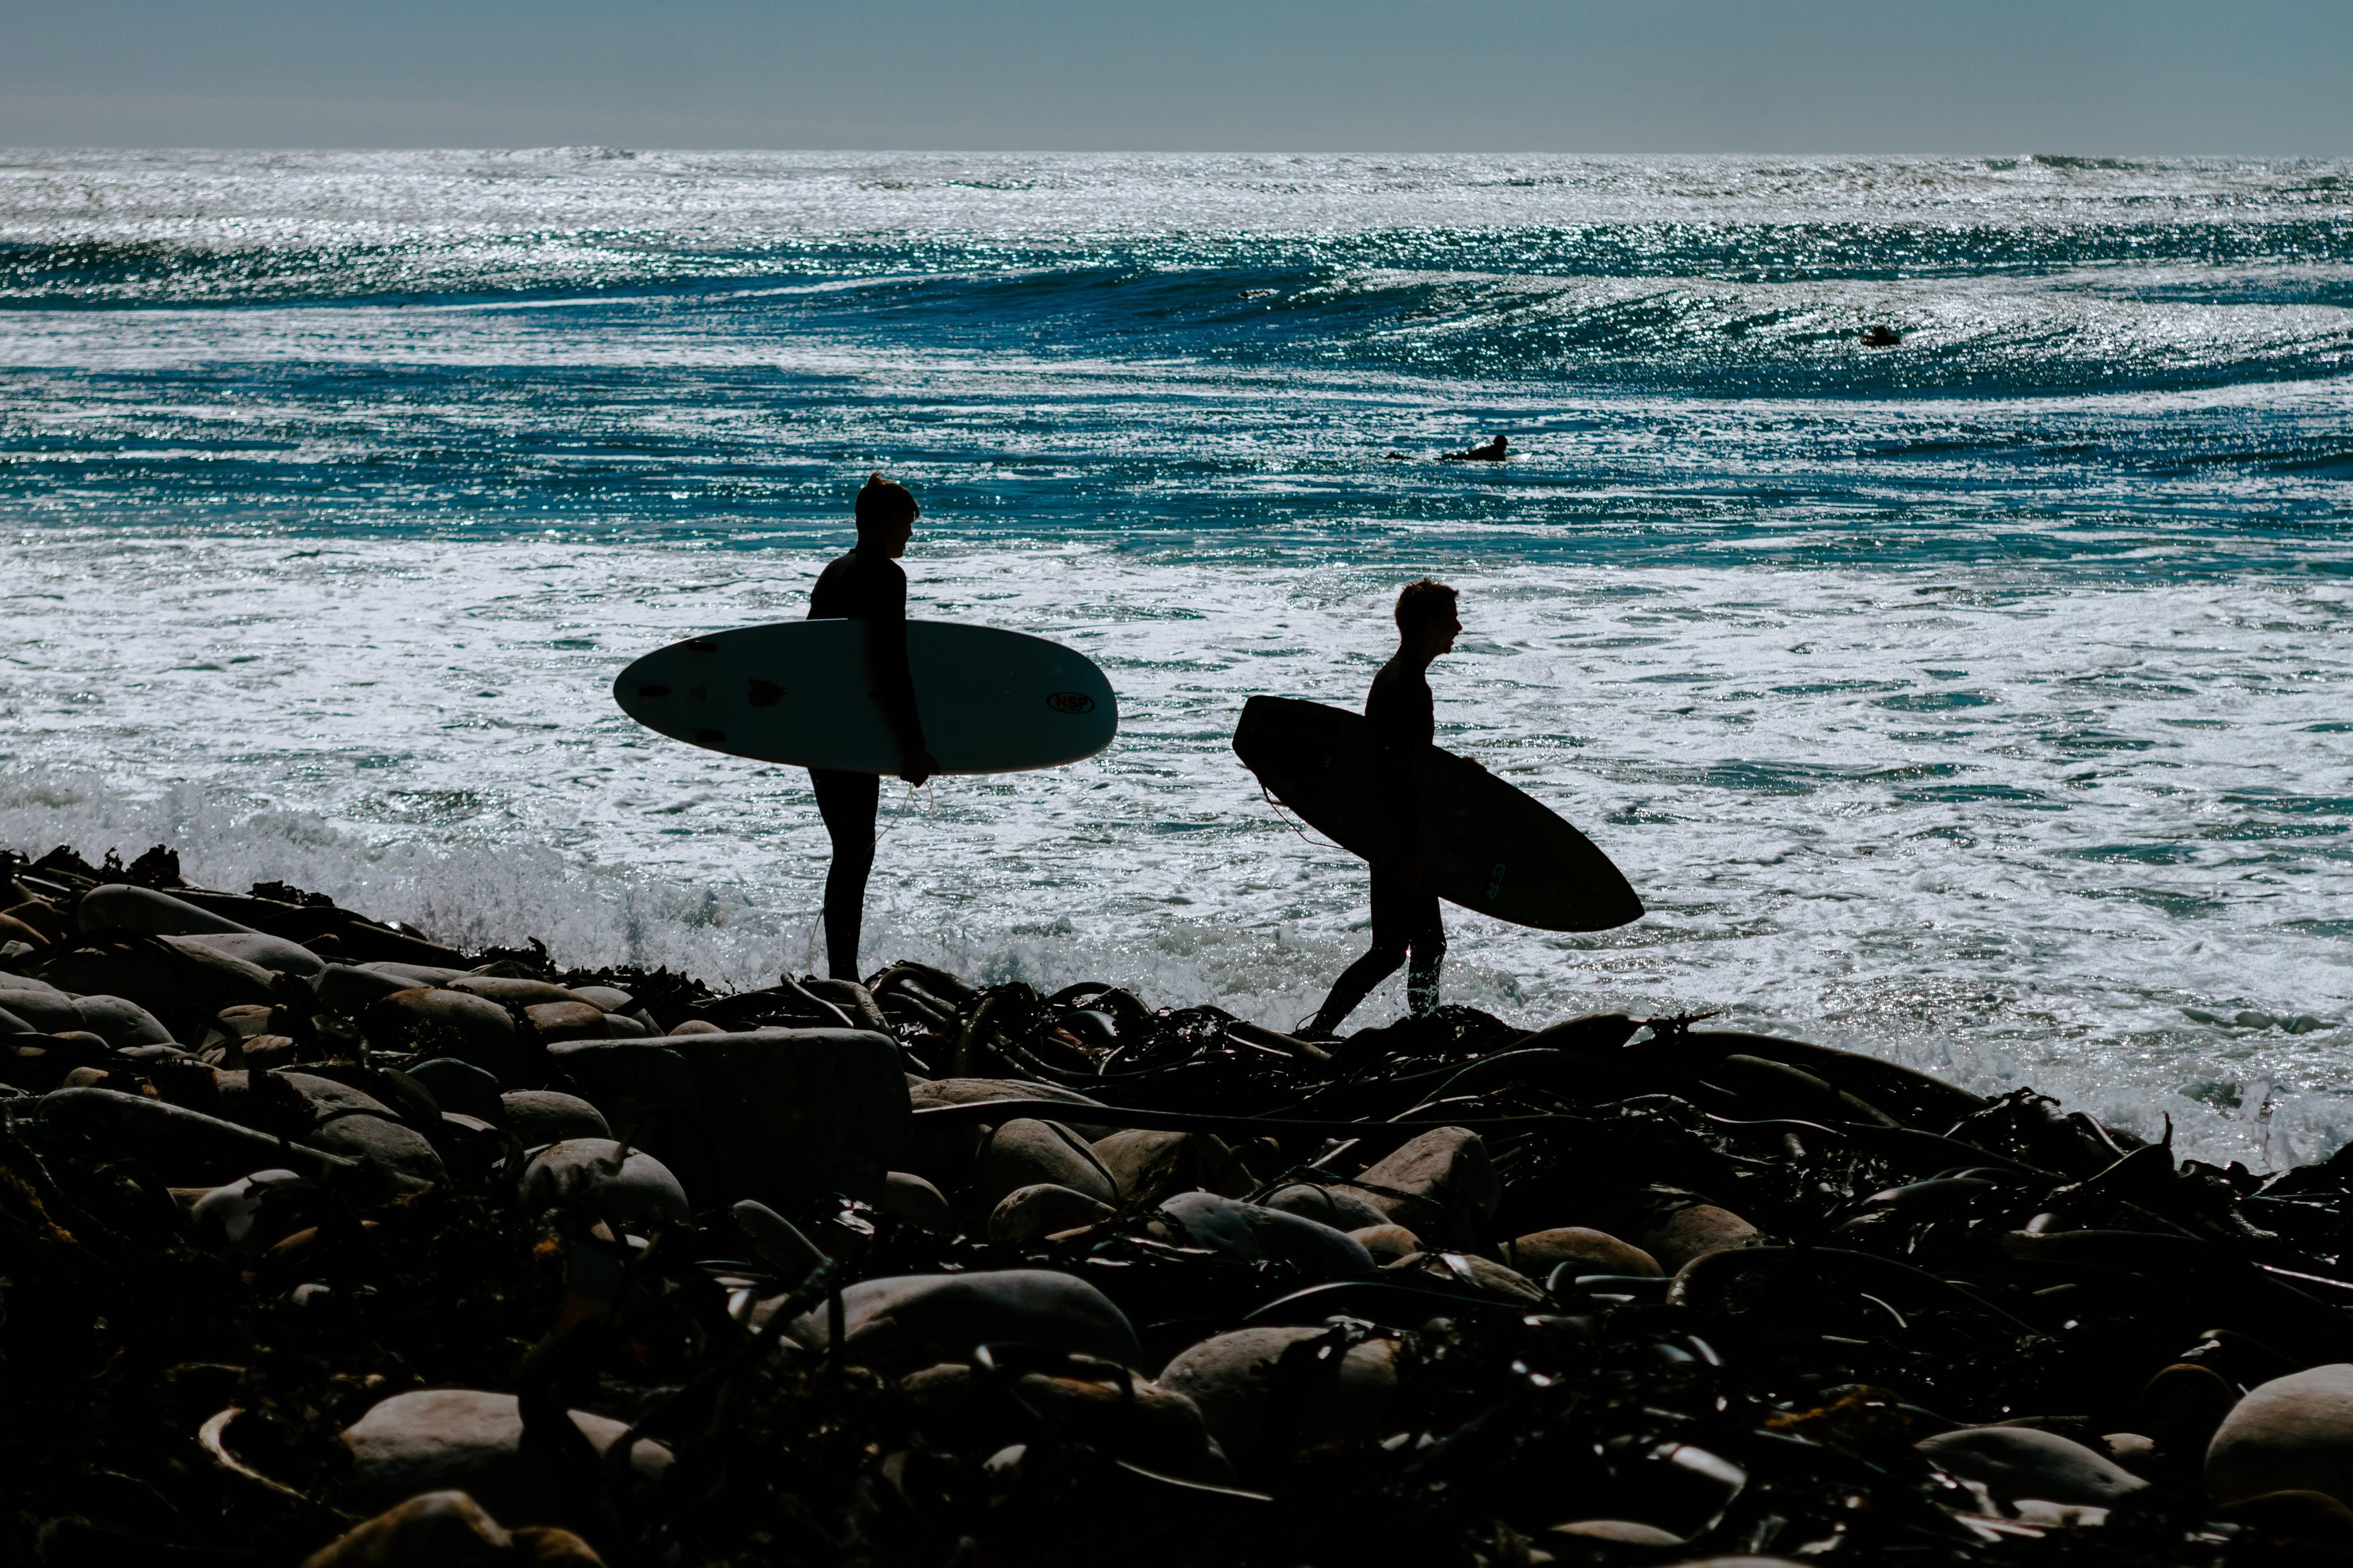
{"type": "Point", "coordinates": [1979, 701]}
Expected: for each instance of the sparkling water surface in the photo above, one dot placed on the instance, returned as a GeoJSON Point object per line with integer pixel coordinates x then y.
{"type": "Point", "coordinates": [1981, 702]}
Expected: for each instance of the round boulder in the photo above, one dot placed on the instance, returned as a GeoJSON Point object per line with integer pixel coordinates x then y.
{"type": "Point", "coordinates": [636, 1188]}
{"type": "Point", "coordinates": [1257, 1412]}
{"type": "Point", "coordinates": [2017, 1462]}
{"type": "Point", "coordinates": [2291, 1433]}
{"type": "Point", "coordinates": [463, 1439]}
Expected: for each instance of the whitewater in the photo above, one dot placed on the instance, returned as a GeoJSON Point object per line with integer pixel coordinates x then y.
{"type": "Point", "coordinates": [1980, 702]}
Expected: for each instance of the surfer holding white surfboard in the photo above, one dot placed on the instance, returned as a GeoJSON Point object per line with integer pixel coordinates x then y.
{"type": "Point", "coordinates": [868, 584]}
{"type": "Point", "coordinates": [858, 691]}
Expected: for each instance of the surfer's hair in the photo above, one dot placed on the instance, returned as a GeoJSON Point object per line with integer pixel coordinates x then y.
{"type": "Point", "coordinates": [1422, 602]}
{"type": "Point", "coordinates": [883, 503]}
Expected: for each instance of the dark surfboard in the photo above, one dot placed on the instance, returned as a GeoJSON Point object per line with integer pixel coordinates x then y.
{"type": "Point", "coordinates": [1489, 847]}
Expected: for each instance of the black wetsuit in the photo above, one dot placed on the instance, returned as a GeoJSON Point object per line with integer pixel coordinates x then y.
{"type": "Point", "coordinates": [1406, 923]}
{"type": "Point", "coordinates": [869, 587]}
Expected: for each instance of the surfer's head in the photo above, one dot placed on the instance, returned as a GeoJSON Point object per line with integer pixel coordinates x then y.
{"type": "Point", "coordinates": [1426, 617]}
{"type": "Point", "coordinates": [886, 515]}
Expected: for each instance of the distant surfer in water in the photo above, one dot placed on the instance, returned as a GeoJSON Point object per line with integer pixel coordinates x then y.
{"type": "Point", "coordinates": [868, 584]}
{"type": "Point", "coordinates": [1495, 451]}
{"type": "Point", "coordinates": [1399, 713]}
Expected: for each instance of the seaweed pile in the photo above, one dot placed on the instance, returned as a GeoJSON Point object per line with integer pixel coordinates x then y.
{"type": "Point", "coordinates": [320, 1242]}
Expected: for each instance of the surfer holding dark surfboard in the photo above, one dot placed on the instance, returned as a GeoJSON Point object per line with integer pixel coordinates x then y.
{"type": "Point", "coordinates": [868, 584]}
{"type": "Point", "coordinates": [1401, 716]}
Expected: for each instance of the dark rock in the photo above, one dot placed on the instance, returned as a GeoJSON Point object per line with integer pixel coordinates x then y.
{"type": "Point", "coordinates": [1023, 1153]}
{"type": "Point", "coordinates": [2293, 1433]}
{"type": "Point", "coordinates": [1257, 1415]}
{"type": "Point", "coordinates": [915, 1320]}
{"type": "Point", "coordinates": [446, 1023]}
{"type": "Point", "coordinates": [462, 1439]}
{"type": "Point", "coordinates": [1440, 1186]}
{"type": "Point", "coordinates": [1695, 1230]}
{"type": "Point", "coordinates": [775, 1114]}
{"type": "Point", "coordinates": [914, 1201]}
{"type": "Point", "coordinates": [1259, 1235]}
{"type": "Point", "coordinates": [118, 906]}
{"type": "Point", "coordinates": [1538, 1253]}
{"type": "Point", "coordinates": [538, 1116]}
{"type": "Point", "coordinates": [623, 1189]}
{"type": "Point", "coordinates": [2017, 1462]}
{"type": "Point", "coordinates": [1335, 1206]}
{"type": "Point", "coordinates": [460, 1087]}
{"type": "Point", "coordinates": [1027, 1213]}
{"type": "Point", "coordinates": [449, 1529]}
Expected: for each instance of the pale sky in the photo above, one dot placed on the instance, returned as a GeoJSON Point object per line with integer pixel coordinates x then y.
{"type": "Point", "coordinates": [2090, 77]}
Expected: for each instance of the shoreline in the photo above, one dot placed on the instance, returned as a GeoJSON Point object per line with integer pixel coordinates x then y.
{"type": "Point", "coordinates": [875, 1263]}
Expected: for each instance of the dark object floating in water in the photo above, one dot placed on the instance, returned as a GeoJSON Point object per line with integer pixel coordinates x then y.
{"type": "Point", "coordinates": [1879, 336]}
{"type": "Point", "coordinates": [1495, 451]}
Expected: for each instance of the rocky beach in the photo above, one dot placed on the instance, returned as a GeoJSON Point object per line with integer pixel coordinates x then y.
{"type": "Point", "coordinates": [323, 1242]}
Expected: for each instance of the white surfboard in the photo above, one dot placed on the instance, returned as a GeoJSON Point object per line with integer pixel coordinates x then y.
{"type": "Point", "coordinates": [990, 701]}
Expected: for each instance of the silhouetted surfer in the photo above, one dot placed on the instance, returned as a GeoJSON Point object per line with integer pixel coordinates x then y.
{"type": "Point", "coordinates": [1495, 451]}
{"type": "Point", "coordinates": [868, 584]}
{"type": "Point", "coordinates": [1399, 713]}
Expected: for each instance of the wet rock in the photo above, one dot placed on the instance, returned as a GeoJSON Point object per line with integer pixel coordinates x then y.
{"type": "Point", "coordinates": [1023, 1153]}
{"type": "Point", "coordinates": [460, 1087]}
{"type": "Point", "coordinates": [1481, 1274]}
{"type": "Point", "coordinates": [122, 907]}
{"type": "Point", "coordinates": [2182, 1406]}
{"type": "Point", "coordinates": [538, 1116]}
{"type": "Point", "coordinates": [1259, 1235]}
{"type": "Point", "coordinates": [1387, 1243]}
{"type": "Point", "coordinates": [119, 1022]}
{"type": "Point", "coordinates": [274, 953]}
{"type": "Point", "coordinates": [914, 1201]}
{"type": "Point", "coordinates": [915, 1320]}
{"type": "Point", "coordinates": [632, 1189]}
{"type": "Point", "coordinates": [1265, 1392]}
{"type": "Point", "coordinates": [2016, 1462]}
{"type": "Point", "coordinates": [465, 1440]}
{"type": "Point", "coordinates": [510, 992]}
{"type": "Point", "coordinates": [1440, 1186]}
{"type": "Point", "coordinates": [697, 1026]}
{"type": "Point", "coordinates": [446, 1023]}
{"type": "Point", "coordinates": [553, 1021]}
{"type": "Point", "coordinates": [1625, 1532]}
{"type": "Point", "coordinates": [320, 1113]}
{"type": "Point", "coordinates": [1694, 1231]}
{"type": "Point", "coordinates": [17, 930]}
{"type": "Point", "coordinates": [773, 1114]}
{"type": "Point", "coordinates": [611, 998]}
{"type": "Point", "coordinates": [429, 974]}
{"type": "Point", "coordinates": [2293, 1433]}
{"type": "Point", "coordinates": [186, 1148]}
{"type": "Point", "coordinates": [1027, 1213]}
{"type": "Point", "coordinates": [1538, 1253]}
{"type": "Point", "coordinates": [182, 984]}
{"type": "Point", "coordinates": [351, 991]}
{"type": "Point", "coordinates": [1335, 1206]}
{"type": "Point", "coordinates": [449, 1529]}
{"type": "Point", "coordinates": [252, 1214]}
{"type": "Point", "coordinates": [1138, 1420]}
{"type": "Point", "coordinates": [402, 1153]}
{"type": "Point", "coordinates": [1143, 1161]}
